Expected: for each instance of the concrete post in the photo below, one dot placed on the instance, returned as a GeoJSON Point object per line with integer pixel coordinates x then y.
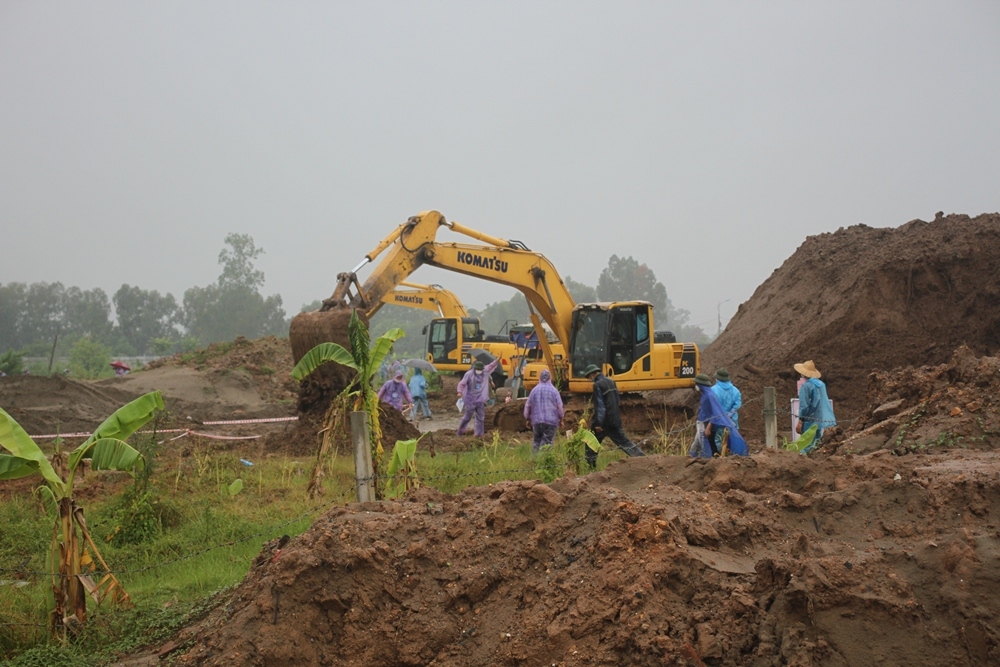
{"type": "Point", "coordinates": [362, 457]}
{"type": "Point", "coordinates": [770, 419]}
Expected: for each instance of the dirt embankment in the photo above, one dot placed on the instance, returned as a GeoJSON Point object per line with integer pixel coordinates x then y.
{"type": "Point", "coordinates": [863, 299]}
{"type": "Point", "coordinates": [775, 559]}
{"type": "Point", "coordinates": [955, 404]}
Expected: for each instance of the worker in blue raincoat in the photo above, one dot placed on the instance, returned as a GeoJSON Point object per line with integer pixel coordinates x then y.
{"type": "Point", "coordinates": [716, 430]}
{"type": "Point", "coordinates": [729, 396]}
{"type": "Point", "coordinates": [814, 404]}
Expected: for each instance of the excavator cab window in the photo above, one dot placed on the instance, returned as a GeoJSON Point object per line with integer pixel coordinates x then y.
{"type": "Point", "coordinates": [442, 339]}
{"type": "Point", "coordinates": [590, 332]}
{"type": "Point", "coordinates": [623, 338]}
{"type": "Point", "coordinates": [471, 330]}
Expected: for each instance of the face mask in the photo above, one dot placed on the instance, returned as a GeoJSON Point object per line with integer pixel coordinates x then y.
{"type": "Point", "coordinates": [478, 372]}
{"type": "Point", "coordinates": [802, 381]}
{"type": "Point", "coordinates": [697, 388]}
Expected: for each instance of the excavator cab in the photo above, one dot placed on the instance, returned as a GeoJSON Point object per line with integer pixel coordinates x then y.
{"type": "Point", "coordinates": [442, 339]}
{"type": "Point", "coordinates": [618, 338]}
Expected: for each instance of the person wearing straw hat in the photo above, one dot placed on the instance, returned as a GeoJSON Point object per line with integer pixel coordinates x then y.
{"type": "Point", "coordinates": [729, 396]}
{"type": "Point", "coordinates": [814, 404]}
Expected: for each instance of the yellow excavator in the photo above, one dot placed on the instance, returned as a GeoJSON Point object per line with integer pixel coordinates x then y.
{"type": "Point", "coordinates": [617, 337]}
{"type": "Point", "coordinates": [452, 337]}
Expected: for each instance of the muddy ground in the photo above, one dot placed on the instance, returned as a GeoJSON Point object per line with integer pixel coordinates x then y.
{"type": "Point", "coordinates": [881, 548]}
{"type": "Point", "coordinates": [778, 559]}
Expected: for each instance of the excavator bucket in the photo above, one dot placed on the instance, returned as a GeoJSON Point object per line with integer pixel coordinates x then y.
{"type": "Point", "coordinates": [308, 330]}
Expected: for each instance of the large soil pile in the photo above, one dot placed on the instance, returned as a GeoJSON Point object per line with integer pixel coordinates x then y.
{"type": "Point", "coordinates": [775, 559]}
{"type": "Point", "coordinates": [863, 299]}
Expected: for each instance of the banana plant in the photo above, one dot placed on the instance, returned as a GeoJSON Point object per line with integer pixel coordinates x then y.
{"type": "Point", "coordinates": [73, 550]}
{"type": "Point", "coordinates": [365, 357]}
{"type": "Point", "coordinates": [402, 470]}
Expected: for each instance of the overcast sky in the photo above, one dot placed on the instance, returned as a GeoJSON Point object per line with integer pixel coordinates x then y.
{"type": "Point", "coordinates": [706, 140]}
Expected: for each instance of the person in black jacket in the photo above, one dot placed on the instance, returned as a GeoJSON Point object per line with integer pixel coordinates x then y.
{"type": "Point", "coordinates": [607, 416]}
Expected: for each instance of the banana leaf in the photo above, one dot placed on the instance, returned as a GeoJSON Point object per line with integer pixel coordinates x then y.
{"type": "Point", "coordinates": [802, 443]}
{"type": "Point", "coordinates": [14, 467]}
{"type": "Point", "coordinates": [357, 333]}
{"type": "Point", "coordinates": [403, 452]}
{"type": "Point", "coordinates": [113, 454]}
{"type": "Point", "coordinates": [590, 439]}
{"type": "Point", "coordinates": [125, 421]}
{"type": "Point", "coordinates": [16, 440]}
{"type": "Point", "coordinates": [381, 348]}
{"type": "Point", "coordinates": [320, 355]}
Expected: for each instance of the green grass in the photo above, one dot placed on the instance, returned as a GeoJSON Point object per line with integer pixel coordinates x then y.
{"type": "Point", "coordinates": [160, 536]}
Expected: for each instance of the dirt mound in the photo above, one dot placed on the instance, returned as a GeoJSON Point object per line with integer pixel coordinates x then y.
{"type": "Point", "coordinates": [863, 299]}
{"type": "Point", "coordinates": [913, 409]}
{"type": "Point", "coordinates": [774, 559]}
{"type": "Point", "coordinates": [303, 436]}
{"type": "Point", "coordinates": [59, 404]}
{"type": "Point", "coordinates": [266, 362]}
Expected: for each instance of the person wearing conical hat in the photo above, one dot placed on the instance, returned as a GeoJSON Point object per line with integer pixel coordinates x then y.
{"type": "Point", "coordinates": [814, 404]}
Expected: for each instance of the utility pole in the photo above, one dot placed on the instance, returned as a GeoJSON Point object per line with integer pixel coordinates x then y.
{"type": "Point", "coordinates": [718, 314]}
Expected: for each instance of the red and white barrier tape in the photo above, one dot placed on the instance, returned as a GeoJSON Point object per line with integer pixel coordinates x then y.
{"type": "Point", "coordinates": [227, 422]}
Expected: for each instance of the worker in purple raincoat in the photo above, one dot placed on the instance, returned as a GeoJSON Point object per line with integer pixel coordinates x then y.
{"type": "Point", "coordinates": [395, 391]}
{"type": "Point", "coordinates": [474, 388]}
{"type": "Point", "coordinates": [543, 411]}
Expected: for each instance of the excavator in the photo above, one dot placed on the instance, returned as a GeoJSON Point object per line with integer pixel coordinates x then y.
{"type": "Point", "coordinates": [453, 336]}
{"type": "Point", "coordinates": [617, 337]}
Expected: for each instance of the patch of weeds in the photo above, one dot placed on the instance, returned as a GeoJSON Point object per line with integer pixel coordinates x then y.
{"type": "Point", "coordinates": [547, 464]}
{"type": "Point", "coordinates": [910, 424]}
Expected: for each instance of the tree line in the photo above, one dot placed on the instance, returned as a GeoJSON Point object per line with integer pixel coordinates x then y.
{"type": "Point", "coordinates": [43, 319]}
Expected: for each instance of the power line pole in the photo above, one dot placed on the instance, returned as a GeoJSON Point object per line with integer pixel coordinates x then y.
{"type": "Point", "coordinates": [718, 313]}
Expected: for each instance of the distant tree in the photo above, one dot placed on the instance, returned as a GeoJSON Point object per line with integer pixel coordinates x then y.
{"type": "Point", "coordinates": [581, 293]}
{"type": "Point", "coordinates": [315, 305]}
{"type": "Point", "coordinates": [494, 316]}
{"type": "Point", "coordinates": [89, 359]}
{"type": "Point", "coordinates": [625, 279]}
{"type": "Point", "coordinates": [12, 297]}
{"type": "Point", "coordinates": [234, 306]}
{"type": "Point", "coordinates": [145, 315]}
{"type": "Point", "coordinates": [11, 362]}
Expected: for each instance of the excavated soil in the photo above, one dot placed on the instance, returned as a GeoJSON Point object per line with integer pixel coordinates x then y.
{"type": "Point", "coordinates": [955, 404]}
{"type": "Point", "coordinates": [863, 299]}
{"type": "Point", "coordinates": [777, 559]}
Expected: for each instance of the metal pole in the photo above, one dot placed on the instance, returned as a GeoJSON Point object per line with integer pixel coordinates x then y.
{"type": "Point", "coordinates": [362, 457]}
{"type": "Point", "coordinates": [770, 419]}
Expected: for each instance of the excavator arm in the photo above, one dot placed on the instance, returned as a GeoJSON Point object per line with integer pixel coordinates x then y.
{"type": "Point", "coordinates": [498, 260]}
{"type": "Point", "coordinates": [434, 298]}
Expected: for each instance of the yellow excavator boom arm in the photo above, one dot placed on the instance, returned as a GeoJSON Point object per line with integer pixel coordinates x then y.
{"type": "Point", "coordinates": [414, 244]}
{"type": "Point", "coordinates": [434, 298]}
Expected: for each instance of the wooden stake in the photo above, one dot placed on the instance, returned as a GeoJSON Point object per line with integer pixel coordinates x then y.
{"type": "Point", "coordinates": [363, 469]}
{"type": "Point", "coordinates": [770, 419]}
